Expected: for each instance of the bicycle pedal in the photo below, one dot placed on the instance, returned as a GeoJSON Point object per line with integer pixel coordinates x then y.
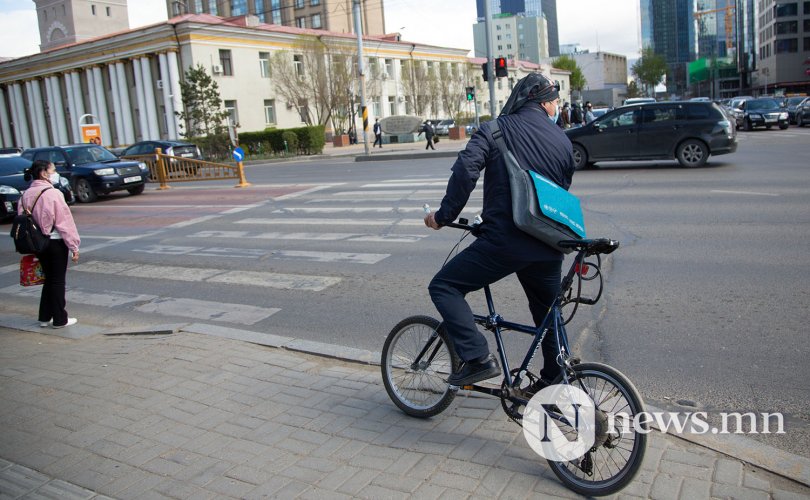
{"type": "Point", "coordinates": [574, 361]}
{"type": "Point", "coordinates": [453, 388]}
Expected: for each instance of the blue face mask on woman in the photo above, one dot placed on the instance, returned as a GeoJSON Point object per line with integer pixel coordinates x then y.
{"type": "Point", "coordinates": [556, 115]}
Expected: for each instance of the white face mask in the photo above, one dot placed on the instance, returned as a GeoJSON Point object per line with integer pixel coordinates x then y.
{"type": "Point", "coordinates": [54, 178]}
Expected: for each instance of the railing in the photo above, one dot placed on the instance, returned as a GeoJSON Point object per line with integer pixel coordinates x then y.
{"type": "Point", "coordinates": [164, 169]}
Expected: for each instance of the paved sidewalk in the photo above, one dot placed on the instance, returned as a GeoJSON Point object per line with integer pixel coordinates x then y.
{"type": "Point", "coordinates": [190, 415]}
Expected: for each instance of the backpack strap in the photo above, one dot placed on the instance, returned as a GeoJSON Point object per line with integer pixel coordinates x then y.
{"type": "Point", "coordinates": [31, 210]}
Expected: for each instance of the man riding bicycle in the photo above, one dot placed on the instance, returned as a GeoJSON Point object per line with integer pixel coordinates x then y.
{"type": "Point", "coordinates": [528, 125]}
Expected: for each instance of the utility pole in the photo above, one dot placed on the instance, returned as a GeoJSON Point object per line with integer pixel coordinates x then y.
{"type": "Point", "coordinates": [490, 60]}
{"type": "Point", "coordinates": [358, 28]}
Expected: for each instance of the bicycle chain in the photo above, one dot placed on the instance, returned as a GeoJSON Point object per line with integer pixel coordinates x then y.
{"type": "Point", "coordinates": [512, 409]}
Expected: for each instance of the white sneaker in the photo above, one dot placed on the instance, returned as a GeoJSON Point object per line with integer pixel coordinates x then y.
{"type": "Point", "coordinates": [45, 324]}
{"type": "Point", "coordinates": [70, 321]}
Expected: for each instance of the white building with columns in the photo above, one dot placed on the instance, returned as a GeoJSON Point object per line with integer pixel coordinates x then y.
{"type": "Point", "coordinates": [130, 81]}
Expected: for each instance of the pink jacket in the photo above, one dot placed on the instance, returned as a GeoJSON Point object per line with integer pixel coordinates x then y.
{"type": "Point", "coordinates": [51, 212]}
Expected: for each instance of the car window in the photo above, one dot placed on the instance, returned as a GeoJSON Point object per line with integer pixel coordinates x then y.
{"type": "Point", "coordinates": [9, 166]}
{"type": "Point", "coordinates": [662, 114]}
{"type": "Point", "coordinates": [698, 111]}
{"type": "Point", "coordinates": [795, 100]}
{"type": "Point", "coordinates": [619, 119]}
{"type": "Point", "coordinates": [92, 154]}
{"type": "Point", "coordinates": [28, 155]}
{"type": "Point", "coordinates": [762, 104]}
{"type": "Point", "coordinates": [53, 156]}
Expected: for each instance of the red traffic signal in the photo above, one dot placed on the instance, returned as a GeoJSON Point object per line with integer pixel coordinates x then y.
{"type": "Point", "coordinates": [500, 67]}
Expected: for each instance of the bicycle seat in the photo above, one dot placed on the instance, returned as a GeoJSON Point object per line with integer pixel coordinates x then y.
{"type": "Point", "coordinates": [591, 247]}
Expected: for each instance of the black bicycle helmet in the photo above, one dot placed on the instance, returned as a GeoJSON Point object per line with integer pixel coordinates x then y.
{"type": "Point", "coordinates": [532, 87]}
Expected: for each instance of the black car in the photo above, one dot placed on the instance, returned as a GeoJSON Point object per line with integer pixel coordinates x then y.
{"type": "Point", "coordinates": [686, 131]}
{"type": "Point", "coordinates": [13, 183]}
{"type": "Point", "coordinates": [171, 148]}
{"type": "Point", "coordinates": [92, 170]}
{"type": "Point", "coordinates": [764, 112]}
{"type": "Point", "coordinates": [803, 113]}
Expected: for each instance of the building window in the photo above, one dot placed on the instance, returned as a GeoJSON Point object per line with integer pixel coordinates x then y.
{"type": "Point", "coordinates": [375, 106]}
{"type": "Point", "coordinates": [392, 105]}
{"type": "Point", "coordinates": [238, 7]}
{"type": "Point", "coordinates": [270, 111]}
{"type": "Point", "coordinates": [298, 62]}
{"type": "Point", "coordinates": [806, 25]}
{"type": "Point", "coordinates": [44, 14]}
{"type": "Point", "coordinates": [498, 37]}
{"type": "Point", "coordinates": [785, 10]}
{"type": "Point", "coordinates": [264, 64]}
{"type": "Point", "coordinates": [108, 11]}
{"type": "Point", "coordinates": [225, 62]}
{"type": "Point", "coordinates": [315, 2]}
{"type": "Point", "coordinates": [786, 27]}
{"type": "Point", "coordinates": [787, 45]}
{"type": "Point", "coordinates": [212, 7]}
{"type": "Point", "coordinates": [93, 9]}
{"type": "Point", "coordinates": [301, 22]}
{"type": "Point", "coordinates": [806, 44]}
{"type": "Point", "coordinates": [497, 27]}
{"type": "Point", "coordinates": [303, 110]}
{"type": "Point", "coordinates": [258, 10]}
{"type": "Point", "coordinates": [233, 113]}
{"type": "Point", "coordinates": [316, 20]}
{"type": "Point", "coordinates": [806, 8]}
{"type": "Point", "coordinates": [299, 4]}
{"type": "Point", "coordinates": [389, 68]}
{"type": "Point", "coordinates": [275, 6]}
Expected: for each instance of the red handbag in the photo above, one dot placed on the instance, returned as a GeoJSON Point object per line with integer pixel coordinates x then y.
{"type": "Point", "coordinates": [31, 273]}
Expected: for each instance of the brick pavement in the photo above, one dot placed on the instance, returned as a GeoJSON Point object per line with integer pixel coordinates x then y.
{"type": "Point", "coordinates": [190, 415]}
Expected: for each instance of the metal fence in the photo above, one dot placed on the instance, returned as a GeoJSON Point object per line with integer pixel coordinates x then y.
{"type": "Point", "coordinates": [166, 169]}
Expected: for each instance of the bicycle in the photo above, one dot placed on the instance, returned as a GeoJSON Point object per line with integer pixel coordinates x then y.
{"type": "Point", "coordinates": [418, 356]}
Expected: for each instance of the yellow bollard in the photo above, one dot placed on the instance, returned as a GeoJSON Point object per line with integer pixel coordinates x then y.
{"type": "Point", "coordinates": [240, 169]}
{"type": "Point", "coordinates": [161, 167]}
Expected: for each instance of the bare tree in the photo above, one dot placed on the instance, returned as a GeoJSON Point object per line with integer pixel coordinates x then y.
{"type": "Point", "coordinates": [414, 85]}
{"type": "Point", "coordinates": [453, 78]}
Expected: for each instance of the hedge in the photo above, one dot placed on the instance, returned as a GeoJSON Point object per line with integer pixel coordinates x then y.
{"type": "Point", "coordinates": [310, 141]}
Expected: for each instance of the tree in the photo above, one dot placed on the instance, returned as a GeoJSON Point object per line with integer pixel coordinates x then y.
{"type": "Point", "coordinates": [203, 114]}
{"type": "Point", "coordinates": [454, 78]}
{"type": "Point", "coordinates": [577, 79]}
{"type": "Point", "coordinates": [633, 90]}
{"type": "Point", "coordinates": [414, 77]}
{"type": "Point", "coordinates": [650, 70]}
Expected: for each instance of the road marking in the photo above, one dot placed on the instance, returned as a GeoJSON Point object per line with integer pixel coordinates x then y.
{"type": "Point", "coordinates": [356, 210]}
{"type": "Point", "coordinates": [412, 192]}
{"type": "Point", "coordinates": [754, 193]}
{"type": "Point", "coordinates": [334, 222]}
{"type": "Point", "coordinates": [381, 238]}
{"type": "Point", "coordinates": [176, 273]}
{"type": "Point", "coordinates": [167, 306]}
{"type": "Point", "coordinates": [306, 191]}
{"type": "Point", "coordinates": [251, 253]}
{"type": "Point", "coordinates": [239, 253]}
{"type": "Point", "coordinates": [191, 222]}
{"type": "Point", "coordinates": [405, 184]}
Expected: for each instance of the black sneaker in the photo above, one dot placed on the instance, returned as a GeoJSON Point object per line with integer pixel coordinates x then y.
{"type": "Point", "coordinates": [475, 371]}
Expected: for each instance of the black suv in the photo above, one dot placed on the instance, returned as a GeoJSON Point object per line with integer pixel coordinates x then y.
{"type": "Point", "coordinates": [171, 148]}
{"type": "Point", "coordinates": [92, 170]}
{"type": "Point", "coordinates": [686, 131]}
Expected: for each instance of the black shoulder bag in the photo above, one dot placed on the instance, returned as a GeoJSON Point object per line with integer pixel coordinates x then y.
{"type": "Point", "coordinates": [25, 231]}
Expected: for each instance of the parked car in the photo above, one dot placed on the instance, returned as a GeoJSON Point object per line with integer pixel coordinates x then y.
{"type": "Point", "coordinates": [637, 100]}
{"type": "Point", "coordinates": [92, 170]}
{"type": "Point", "coordinates": [803, 113]}
{"type": "Point", "coordinates": [171, 148]}
{"type": "Point", "coordinates": [444, 126]}
{"type": "Point", "coordinates": [764, 112]}
{"type": "Point", "coordinates": [597, 112]}
{"type": "Point", "coordinates": [792, 103]}
{"type": "Point", "coordinates": [13, 183]}
{"type": "Point", "coordinates": [687, 131]}
{"type": "Point", "coordinates": [7, 152]}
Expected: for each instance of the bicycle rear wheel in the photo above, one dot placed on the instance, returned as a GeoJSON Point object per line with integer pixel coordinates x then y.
{"type": "Point", "coordinates": [616, 457]}
{"type": "Point", "coordinates": [416, 360]}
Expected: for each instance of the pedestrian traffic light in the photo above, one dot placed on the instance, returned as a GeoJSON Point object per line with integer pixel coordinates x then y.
{"type": "Point", "coordinates": [470, 93]}
{"type": "Point", "coordinates": [485, 67]}
{"type": "Point", "coordinates": [500, 67]}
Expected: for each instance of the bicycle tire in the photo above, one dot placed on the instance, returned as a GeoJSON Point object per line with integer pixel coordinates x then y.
{"type": "Point", "coordinates": [600, 376]}
{"type": "Point", "coordinates": [418, 391]}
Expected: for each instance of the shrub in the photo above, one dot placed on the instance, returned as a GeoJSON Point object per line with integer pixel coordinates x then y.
{"type": "Point", "coordinates": [307, 140]}
{"type": "Point", "coordinates": [290, 137]}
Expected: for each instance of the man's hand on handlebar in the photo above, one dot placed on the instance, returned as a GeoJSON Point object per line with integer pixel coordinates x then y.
{"type": "Point", "coordinates": [430, 221]}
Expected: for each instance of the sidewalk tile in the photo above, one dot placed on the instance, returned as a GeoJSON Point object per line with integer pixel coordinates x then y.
{"type": "Point", "coordinates": [665, 487]}
{"type": "Point", "coordinates": [692, 489]}
{"type": "Point", "coordinates": [737, 492]}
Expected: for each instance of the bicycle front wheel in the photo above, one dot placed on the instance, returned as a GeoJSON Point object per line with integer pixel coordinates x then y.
{"type": "Point", "coordinates": [416, 360]}
{"type": "Point", "coordinates": [617, 455]}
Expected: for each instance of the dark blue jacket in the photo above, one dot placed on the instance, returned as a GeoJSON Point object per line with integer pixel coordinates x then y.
{"type": "Point", "coordinates": [537, 143]}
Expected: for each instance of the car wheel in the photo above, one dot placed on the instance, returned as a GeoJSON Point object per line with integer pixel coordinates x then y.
{"type": "Point", "coordinates": [747, 126]}
{"type": "Point", "coordinates": [84, 191]}
{"type": "Point", "coordinates": [692, 153]}
{"type": "Point", "coordinates": [783, 126]}
{"type": "Point", "coordinates": [137, 189]}
{"type": "Point", "coordinates": [799, 122]}
{"type": "Point", "coordinates": [580, 157]}
{"type": "Point", "coordinates": [768, 127]}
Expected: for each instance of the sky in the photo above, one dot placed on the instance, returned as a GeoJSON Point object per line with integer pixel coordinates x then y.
{"type": "Point", "coordinates": [610, 26]}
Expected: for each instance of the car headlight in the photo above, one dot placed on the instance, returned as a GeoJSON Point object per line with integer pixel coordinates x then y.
{"type": "Point", "coordinates": [143, 166]}
{"type": "Point", "coordinates": [783, 116]}
{"type": "Point", "coordinates": [8, 190]}
{"type": "Point", "coordinates": [756, 115]}
{"type": "Point", "coordinates": [64, 182]}
{"type": "Point", "coordinates": [104, 171]}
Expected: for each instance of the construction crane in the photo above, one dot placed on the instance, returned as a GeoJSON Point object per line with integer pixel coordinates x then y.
{"type": "Point", "coordinates": [729, 18]}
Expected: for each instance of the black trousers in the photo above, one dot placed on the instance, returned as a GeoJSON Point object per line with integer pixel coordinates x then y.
{"type": "Point", "coordinates": [429, 143]}
{"type": "Point", "coordinates": [377, 138]}
{"type": "Point", "coordinates": [479, 265]}
{"type": "Point", "coordinates": [54, 260]}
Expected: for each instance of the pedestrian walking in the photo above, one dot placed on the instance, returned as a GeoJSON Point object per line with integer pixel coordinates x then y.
{"type": "Point", "coordinates": [589, 116]}
{"type": "Point", "coordinates": [527, 124]}
{"type": "Point", "coordinates": [427, 129]}
{"type": "Point", "coordinates": [54, 218]}
{"type": "Point", "coordinates": [377, 133]}
{"type": "Point", "coordinates": [576, 116]}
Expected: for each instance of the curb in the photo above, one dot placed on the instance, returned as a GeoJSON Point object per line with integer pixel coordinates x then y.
{"type": "Point", "coordinates": [774, 460]}
{"type": "Point", "coordinates": [406, 156]}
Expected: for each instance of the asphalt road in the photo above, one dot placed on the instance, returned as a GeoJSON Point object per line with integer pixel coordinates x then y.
{"type": "Point", "coordinates": [705, 300]}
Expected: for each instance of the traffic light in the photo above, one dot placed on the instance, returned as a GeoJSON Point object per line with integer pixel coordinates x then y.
{"type": "Point", "coordinates": [485, 67]}
{"type": "Point", "coordinates": [500, 67]}
{"type": "Point", "coordinates": [470, 93]}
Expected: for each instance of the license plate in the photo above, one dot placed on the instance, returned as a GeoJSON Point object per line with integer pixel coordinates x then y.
{"type": "Point", "coordinates": [771, 120]}
{"type": "Point", "coordinates": [136, 178]}
{"type": "Point", "coordinates": [187, 155]}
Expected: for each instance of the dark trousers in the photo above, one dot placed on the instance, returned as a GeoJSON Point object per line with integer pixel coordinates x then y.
{"type": "Point", "coordinates": [430, 143]}
{"type": "Point", "coordinates": [54, 260]}
{"type": "Point", "coordinates": [377, 138]}
{"type": "Point", "coordinates": [479, 265]}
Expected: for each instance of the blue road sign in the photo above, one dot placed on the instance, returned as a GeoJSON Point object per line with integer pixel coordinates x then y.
{"type": "Point", "coordinates": [238, 154]}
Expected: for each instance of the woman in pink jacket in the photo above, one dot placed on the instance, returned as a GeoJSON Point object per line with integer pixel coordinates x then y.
{"type": "Point", "coordinates": [54, 218]}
